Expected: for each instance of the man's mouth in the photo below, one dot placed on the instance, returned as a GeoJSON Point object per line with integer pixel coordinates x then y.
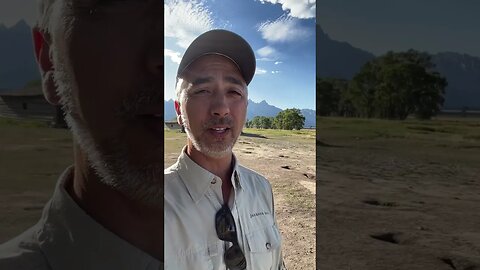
{"type": "Point", "coordinates": [219, 130]}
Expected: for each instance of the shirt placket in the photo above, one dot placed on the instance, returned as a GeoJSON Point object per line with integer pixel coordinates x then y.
{"type": "Point", "coordinates": [216, 198]}
{"type": "Point", "coordinates": [238, 218]}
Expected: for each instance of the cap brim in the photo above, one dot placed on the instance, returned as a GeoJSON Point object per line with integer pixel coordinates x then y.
{"type": "Point", "coordinates": [224, 43]}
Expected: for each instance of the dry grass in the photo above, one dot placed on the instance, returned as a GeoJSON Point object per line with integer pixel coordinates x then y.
{"type": "Point", "coordinates": [32, 156]}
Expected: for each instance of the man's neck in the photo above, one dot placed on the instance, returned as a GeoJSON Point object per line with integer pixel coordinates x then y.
{"type": "Point", "coordinates": [221, 167]}
{"type": "Point", "coordinates": [139, 224]}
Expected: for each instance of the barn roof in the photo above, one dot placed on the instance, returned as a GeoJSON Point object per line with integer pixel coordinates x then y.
{"type": "Point", "coordinates": [28, 91]}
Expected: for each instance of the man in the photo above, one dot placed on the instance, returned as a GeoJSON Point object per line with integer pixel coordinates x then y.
{"type": "Point", "coordinates": [218, 214]}
{"type": "Point", "coordinates": [103, 62]}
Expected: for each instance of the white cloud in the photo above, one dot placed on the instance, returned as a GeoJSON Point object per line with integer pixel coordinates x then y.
{"type": "Point", "coordinates": [303, 9]}
{"type": "Point", "coordinates": [275, 71]}
{"type": "Point", "coordinates": [267, 52]}
{"type": "Point", "coordinates": [173, 55]}
{"type": "Point", "coordinates": [260, 71]}
{"type": "Point", "coordinates": [278, 62]}
{"type": "Point", "coordinates": [284, 29]}
{"type": "Point", "coordinates": [265, 59]}
{"type": "Point", "coordinates": [185, 20]}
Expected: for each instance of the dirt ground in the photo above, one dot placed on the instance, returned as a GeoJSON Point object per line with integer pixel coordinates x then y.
{"type": "Point", "coordinates": [32, 158]}
{"type": "Point", "coordinates": [289, 165]}
{"type": "Point", "coordinates": [399, 200]}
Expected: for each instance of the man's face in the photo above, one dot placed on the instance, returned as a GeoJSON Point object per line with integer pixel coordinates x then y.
{"type": "Point", "coordinates": [214, 104]}
{"type": "Point", "coordinates": [108, 61]}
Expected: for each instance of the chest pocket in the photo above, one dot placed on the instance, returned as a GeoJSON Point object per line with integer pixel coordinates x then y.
{"type": "Point", "coordinates": [263, 245]}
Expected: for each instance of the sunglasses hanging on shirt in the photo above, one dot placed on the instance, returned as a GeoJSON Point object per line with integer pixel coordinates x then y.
{"type": "Point", "coordinates": [227, 231]}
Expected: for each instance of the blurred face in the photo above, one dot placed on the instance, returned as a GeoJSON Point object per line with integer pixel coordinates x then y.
{"type": "Point", "coordinates": [213, 105]}
{"type": "Point", "coordinates": [108, 62]}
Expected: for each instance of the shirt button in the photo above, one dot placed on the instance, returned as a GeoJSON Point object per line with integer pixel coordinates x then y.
{"type": "Point", "coordinates": [214, 181]}
{"type": "Point", "coordinates": [268, 245]}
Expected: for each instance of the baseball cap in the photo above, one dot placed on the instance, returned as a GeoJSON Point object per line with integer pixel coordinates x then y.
{"type": "Point", "coordinates": [225, 43]}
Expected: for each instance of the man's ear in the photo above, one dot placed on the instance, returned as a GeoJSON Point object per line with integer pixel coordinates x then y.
{"type": "Point", "coordinates": [179, 112]}
{"type": "Point", "coordinates": [41, 42]}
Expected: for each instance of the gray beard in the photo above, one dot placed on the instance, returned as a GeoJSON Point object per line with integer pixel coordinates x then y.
{"type": "Point", "coordinates": [144, 184]}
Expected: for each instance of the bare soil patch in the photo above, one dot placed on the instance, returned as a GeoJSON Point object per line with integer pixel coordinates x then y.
{"type": "Point", "coordinates": [391, 198]}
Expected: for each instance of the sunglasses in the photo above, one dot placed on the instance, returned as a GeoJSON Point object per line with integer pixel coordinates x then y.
{"type": "Point", "coordinates": [226, 231]}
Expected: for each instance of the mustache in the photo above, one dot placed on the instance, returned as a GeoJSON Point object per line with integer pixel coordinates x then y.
{"type": "Point", "coordinates": [132, 103]}
{"type": "Point", "coordinates": [224, 121]}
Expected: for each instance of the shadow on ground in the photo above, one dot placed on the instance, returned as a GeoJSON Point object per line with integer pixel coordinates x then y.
{"type": "Point", "coordinates": [253, 135]}
{"type": "Point", "coordinates": [320, 143]}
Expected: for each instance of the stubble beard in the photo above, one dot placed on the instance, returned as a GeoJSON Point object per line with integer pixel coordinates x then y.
{"type": "Point", "coordinates": [143, 184]}
{"type": "Point", "coordinates": [215, 150]}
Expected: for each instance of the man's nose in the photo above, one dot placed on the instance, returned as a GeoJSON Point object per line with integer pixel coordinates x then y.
{"type": "Point", "coordinates": [220, 106]}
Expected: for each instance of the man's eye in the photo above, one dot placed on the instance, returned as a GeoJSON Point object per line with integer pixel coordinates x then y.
{"type": "Point", "coordinates": [236, 92]}
{"type": "Point", "coordinates": [200, 91]}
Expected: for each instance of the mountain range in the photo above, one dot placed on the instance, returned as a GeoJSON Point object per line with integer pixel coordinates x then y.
{"type": "Point", "coordinates": [254, 109]}
{"type": "Point", "coordinates": [334, 59]}
{"type": "Point", "coordinates": [17, 62]}
{"type": "Point", "coordinates": [341, 60]}
{"type": "Point", "coordinates": [337, 59]}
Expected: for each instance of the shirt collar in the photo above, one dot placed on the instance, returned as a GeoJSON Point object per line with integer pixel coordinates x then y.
{"type": "Point", "coordinates": [70, 237]}
{"type": "Point", "coordinates": [197, 179]}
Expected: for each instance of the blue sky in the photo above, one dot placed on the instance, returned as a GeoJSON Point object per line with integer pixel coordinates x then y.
{"type": "Point", "coordinates": [281, 33]}
{"type": "Point", "coordinates": [428, 25]}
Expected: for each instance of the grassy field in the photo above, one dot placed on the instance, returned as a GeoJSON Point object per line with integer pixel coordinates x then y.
{"type": "Point", "coordinates": [398, 194]}
{"type": "Point", "coordinates": [175, 140]}
{"type": "Point", "coordinates": [32, 156]}
{"type": "Point", "coordinates": [443, 145]}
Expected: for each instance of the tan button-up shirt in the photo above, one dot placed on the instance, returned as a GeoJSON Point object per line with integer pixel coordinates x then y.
{"type": "Point", "coordinates": [68, 238]}
{"type": "Point", "coordinates": [193, 196]}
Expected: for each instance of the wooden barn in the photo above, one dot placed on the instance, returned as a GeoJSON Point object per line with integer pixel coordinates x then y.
{"type": "Point", "coordinates": [29, 103]}
{"type": "Point", "coordinates": [173, 125]}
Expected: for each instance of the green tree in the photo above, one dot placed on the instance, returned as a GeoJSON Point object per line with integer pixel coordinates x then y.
{"type": "Point", "coordinates": [251, 123]}
{"type": "Point", "coordinates": [362, 90]}
{"type": "Point", "coordinates": [429, 97]}
{"type": "Point", "coordinates": [332, 97]}
{"type": "Point", "coordinates": [396, 85]}
{"type": "Point", "coordinates": [266, 122]}
{"type": "Point", "coordinates": [261, 122]}
{"type": "Point", "coordinates": [289, 119]}
{"type": "Point", "coordinates": [327, 97]}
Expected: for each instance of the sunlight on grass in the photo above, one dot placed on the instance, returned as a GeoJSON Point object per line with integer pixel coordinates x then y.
{"type": "Point", "coordinates": [4, 121]}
